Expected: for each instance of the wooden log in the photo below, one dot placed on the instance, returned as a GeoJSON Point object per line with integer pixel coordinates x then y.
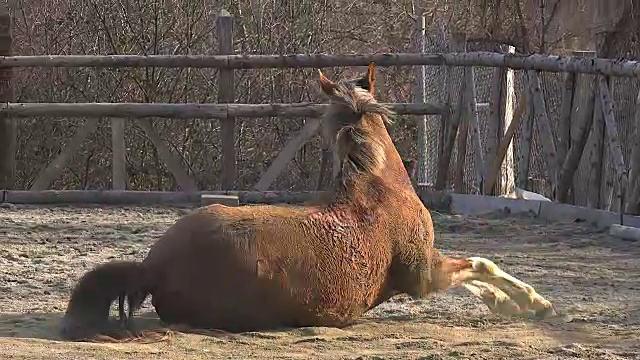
{"type": "Point", "coordinates": [228, 200]}
{"type": "Point", "coordinates": [174, 164]}
{"type": "Point", "coordinates": [226, 94]}
{"type": "Point", "coordinates": [539, 62]}
{"type": "Point", "coordinates": [171, 198]}
{"type": "Point", "coordinates": [544, 128]}
{"type": "Point", "coordinates": [633, 193]}
{"type": "Point", "coordinates": [507, 175]}
{"type": "Point", "coordinates": [463, 135]}
{"type": "Point", "coordinates": [606, 102]}
{"type": "Point", "coordinates": [501, 117]}
{"type": "Point", "coordinates": [190, 111]}
{"type": "Point", "coordinates": [285, 156]}
{"type": "Point", "coordinates": [119, 150]}
{"type": "Point", "coordinates": [595, 152]}
{"type": "Point", "coordinates": [524, 147]}
{"type": "Point", "coordinates": [432, 199]}
{"type": "Point", "coordinates": [8, 129]}
{"type": "Point", "coordinates": [492, 137]}
{"type": "Point", "coordinates": [584, 104]}
{"type": "Point", "coordinates": [450, 137]}
{"type": "Point", "coordinates": [583, 116]}
{"type": "Point", "coordinates": [474, 126]}
{"type": "Point", "coordinates": [46, 176]}
{"type": "Point", "coordinates": [505, 143]}
{"type": "Point", "coordinates": [564, 124]}
{"type": "Point", "coordinates": [625, 232]}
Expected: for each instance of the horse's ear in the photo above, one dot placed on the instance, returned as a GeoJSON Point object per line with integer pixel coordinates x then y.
{"type": "Point", "coordinates": [327, 86]}
{"type": "Point", "coordinates": [371, 78]}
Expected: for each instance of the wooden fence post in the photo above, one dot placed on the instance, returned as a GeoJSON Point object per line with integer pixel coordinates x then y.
{"type": "Point", "coordinates": [596, 155]}
{"type": "Point", "coordinates": [582, 118]}
{"type": "Point", "coordinates": [7, 124]}
{"type": "Point", "coordinates": [606, 103]}
{"type": "Point", "coordinates": [226, 94]}
{"type": "Point", "coordinates": [506, 181]}
{"type": "Point", "coordinates": [500, 117]}
{"type": "Point", "coordinates": [119, 150]}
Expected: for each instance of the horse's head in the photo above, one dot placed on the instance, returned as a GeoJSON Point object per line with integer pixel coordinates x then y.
{"type": "Point", "coordinates": [354, 128]}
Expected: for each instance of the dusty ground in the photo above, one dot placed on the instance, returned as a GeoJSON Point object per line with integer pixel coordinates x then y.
{"type": "Point", "coordinates": [593, 279]}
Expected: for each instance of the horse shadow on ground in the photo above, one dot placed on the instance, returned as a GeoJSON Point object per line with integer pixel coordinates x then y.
{"type": "Point", "coordinates": [46, 326]}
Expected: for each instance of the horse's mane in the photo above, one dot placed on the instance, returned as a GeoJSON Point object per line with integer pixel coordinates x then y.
{"type": "Point", "coordinates": [360, 148]}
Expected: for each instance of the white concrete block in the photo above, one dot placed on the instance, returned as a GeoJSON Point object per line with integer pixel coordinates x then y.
{"type": "Point", "coordinates": [466, 204]}
{"type": "Point", "coordinates": [625, 232]}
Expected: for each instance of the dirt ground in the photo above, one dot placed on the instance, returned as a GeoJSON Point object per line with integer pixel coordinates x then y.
{"type": "Point", "coordinates": [592, 278]}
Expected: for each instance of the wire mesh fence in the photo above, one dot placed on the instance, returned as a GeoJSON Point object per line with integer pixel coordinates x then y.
{"type": "Point", "coordinates": [624, 92]}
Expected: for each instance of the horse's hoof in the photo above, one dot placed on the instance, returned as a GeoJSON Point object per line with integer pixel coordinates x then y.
{"type": "Point", "coordinates": [547, 311]}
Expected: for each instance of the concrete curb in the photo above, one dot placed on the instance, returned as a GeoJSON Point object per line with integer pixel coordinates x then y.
{"type": "Point", "coordinates": [473, 205]}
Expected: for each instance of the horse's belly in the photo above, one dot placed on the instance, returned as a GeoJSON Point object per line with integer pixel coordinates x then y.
{"type": "Point", "coordinates": [238, 300]}
{"type": "Point", "coordinates": [244, 307]}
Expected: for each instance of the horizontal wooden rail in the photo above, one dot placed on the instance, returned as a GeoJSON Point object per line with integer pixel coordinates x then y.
{"type": "Point", "coordinates": [432, 199]}
{"type": "Point", "coordinates": [187, 111]}
{"type": "Point", "coordinates": [539, 62]}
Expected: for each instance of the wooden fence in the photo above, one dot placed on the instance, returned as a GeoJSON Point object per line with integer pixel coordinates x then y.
{"type": "Point", "coordinates": [493, 175]}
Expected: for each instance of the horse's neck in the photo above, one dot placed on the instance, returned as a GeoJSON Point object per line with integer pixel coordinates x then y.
{"type": "Point", "coordinates": [394, 169]}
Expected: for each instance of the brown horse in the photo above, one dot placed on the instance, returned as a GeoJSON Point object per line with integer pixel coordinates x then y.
{"type": "Point", "coordinates": [324, 263]}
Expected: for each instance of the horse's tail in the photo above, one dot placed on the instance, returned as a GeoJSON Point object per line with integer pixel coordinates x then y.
{"type": "Point", "coordinates": [87, 314]}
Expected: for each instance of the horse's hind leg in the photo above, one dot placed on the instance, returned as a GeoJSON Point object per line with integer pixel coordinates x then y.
{"type": "Point", "coordinates": [500, 291]}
